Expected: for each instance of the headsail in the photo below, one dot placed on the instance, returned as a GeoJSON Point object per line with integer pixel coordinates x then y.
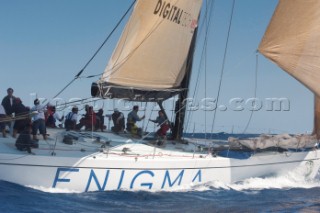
{"type": "Point", "coordinates": [149, 61]}
{"type": "Point", "coordinates": [292, 41]}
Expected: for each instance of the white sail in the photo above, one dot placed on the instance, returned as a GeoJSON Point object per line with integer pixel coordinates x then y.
{"type": "Point", "coordinates": [292, 40]}
{"type": "Point", "coordinates": [153, 49]}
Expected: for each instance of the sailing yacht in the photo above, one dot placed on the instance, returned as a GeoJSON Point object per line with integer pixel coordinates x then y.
{"type": "Point", "coordinates": [151, 63]}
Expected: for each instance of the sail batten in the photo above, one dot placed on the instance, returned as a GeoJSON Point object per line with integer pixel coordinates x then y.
{"type": "Point", "coordinates": [152, 51]}
{"type": "Point", "coordinates": [292, 41]}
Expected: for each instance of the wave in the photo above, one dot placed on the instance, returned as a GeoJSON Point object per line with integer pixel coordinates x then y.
{"type": "Point", "coordinates": [293, 179]}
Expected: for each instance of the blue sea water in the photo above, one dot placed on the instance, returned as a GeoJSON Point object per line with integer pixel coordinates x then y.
{"type": "Point", "coordinates": [288, 193]}
{"type": "Point", "coordinates": [15, 198]}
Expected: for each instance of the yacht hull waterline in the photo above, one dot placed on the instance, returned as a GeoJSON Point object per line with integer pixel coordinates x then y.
{"type": "Point", "coordinates": [91, 161]}
{"type": "Point", "coordinates": [89, 166]}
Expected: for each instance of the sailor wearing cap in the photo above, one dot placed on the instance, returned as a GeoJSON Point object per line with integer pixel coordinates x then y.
{"type": "Point", "coordinates": [38, 119]}
{"type": "Point", "coordinates": [118, 121]}
{"type": "Point", "coordinates": [71, 119]}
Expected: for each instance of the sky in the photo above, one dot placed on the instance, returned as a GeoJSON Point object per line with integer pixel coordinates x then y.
{"type": "Point", "coordinates": [45, 43]}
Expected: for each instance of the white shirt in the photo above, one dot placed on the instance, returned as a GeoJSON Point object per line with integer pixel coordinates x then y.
{"type": "Point", "coordinates": [74, 116]}
{"type": "Point", "coordinates": [56, 116]}
{"type": "Point", "coordinates": [40, 109]}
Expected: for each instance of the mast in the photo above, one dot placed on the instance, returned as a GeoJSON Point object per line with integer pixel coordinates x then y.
{"type": "Point", "coordinates": [181, 107]}
{"type": "Point", "coordinates": [316, 126]}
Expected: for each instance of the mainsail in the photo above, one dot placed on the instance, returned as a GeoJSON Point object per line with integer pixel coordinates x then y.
{"type": "Point", "coordinates": [150, 60]}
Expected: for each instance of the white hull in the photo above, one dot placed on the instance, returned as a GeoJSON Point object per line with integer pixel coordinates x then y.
{"type": "Point", "coordinates": [84, 166]}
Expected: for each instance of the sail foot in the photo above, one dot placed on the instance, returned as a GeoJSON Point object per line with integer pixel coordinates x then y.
{"type": "Point", "coordinates": [107, 90]}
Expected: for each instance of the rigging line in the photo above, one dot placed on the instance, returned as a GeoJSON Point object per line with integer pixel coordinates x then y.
{"type": "Point", "coordinates": [98, 50]}
{"type": "Point", "coordinates": [198, 77]}
{"type": "Point", "coordinates": [91, 76]}
{"type": "Point", "coordinates": [206, 25]}
{"type": "Point", "coordinates": [205, 83]}
{"type": "Point", "coordinates": [194, 129]}
{"type": "Point", "coordinates": [144, 114]}
{"type": "Point", "coordinates": [73, 102]}
{"type": "Point", "coordinates": [145, 130]}
{"type": "Point", "coordinates": [172, 110]}
{"type": "Point", "coordinates": [146, 89]}
{"type": "Point", "coordinates": [255, 92]}
{"type": "Point", "coordinates": [223, 67]}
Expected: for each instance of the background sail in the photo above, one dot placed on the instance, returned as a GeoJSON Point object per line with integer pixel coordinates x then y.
{"type": "Point", "coordinates": [152, 52]}
{"type": "Point", "coordinates": [292, 41]}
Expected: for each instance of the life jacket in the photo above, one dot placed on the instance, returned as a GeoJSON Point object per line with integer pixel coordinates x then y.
{"type": "Point", "coordinates": [69, 116]}
{"type": "Point", "coordinates": [47, 114]}
{"type": "Point", "coordinates": [90, 118]}
{"type": "Point", "coordinates": [115, 117]}
{"type": "Point", "coordinates": [68, 123]}
{"type": "Point", "coordinates": [131, 118]}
